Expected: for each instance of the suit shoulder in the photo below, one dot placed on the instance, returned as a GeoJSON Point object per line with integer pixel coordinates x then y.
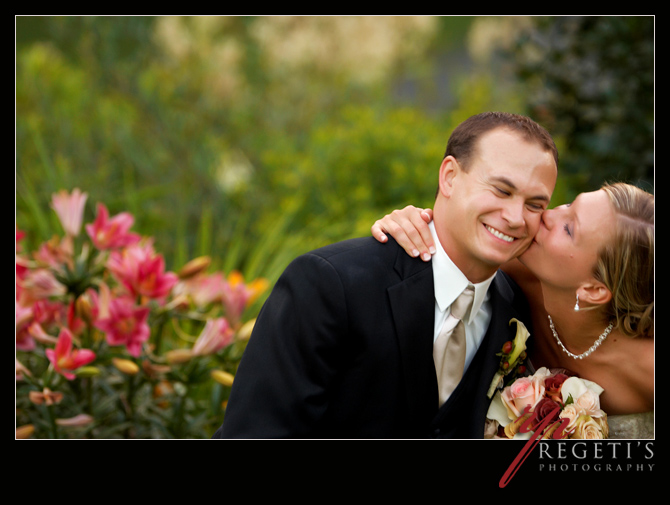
{"type": "Point", "coordinates": [363, 250]}
{"type": "Point", "coordinates": [353, 245]}
{"type": "Point", "coordinates": [353, 261]}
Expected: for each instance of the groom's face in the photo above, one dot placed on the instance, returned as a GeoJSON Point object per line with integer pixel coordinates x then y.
{"type": "Point", "coordinates": [494, 205]}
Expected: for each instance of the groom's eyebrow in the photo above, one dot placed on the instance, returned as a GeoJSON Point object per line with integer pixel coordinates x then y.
{"type": "Point", "coordinates": [504, 180]}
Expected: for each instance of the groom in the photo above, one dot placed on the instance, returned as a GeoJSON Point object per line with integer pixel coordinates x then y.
{"type": "Point", "coordinates": [351, 342]}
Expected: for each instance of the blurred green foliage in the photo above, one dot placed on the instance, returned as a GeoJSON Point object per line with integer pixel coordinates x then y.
{"type": "Point", "coordinates": [590, 80]}
{"type": "Point", "coordinates": [255, 139]}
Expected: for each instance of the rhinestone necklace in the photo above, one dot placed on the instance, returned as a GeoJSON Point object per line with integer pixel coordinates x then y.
{"type": "Point", "coordinates": [595, 345]}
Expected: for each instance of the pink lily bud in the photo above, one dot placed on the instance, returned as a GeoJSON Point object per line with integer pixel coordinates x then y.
{"type": "Point", "coordinates": [70, 209]}
{"type": "Point", "coordinates": [78, 420]}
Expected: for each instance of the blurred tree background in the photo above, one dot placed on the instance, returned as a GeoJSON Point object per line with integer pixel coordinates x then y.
{"type": "Point", "coordinates": [254, 139]}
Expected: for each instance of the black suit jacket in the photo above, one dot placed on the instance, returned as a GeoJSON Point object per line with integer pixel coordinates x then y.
{"type": "Point", "coordinates": [342, 348]}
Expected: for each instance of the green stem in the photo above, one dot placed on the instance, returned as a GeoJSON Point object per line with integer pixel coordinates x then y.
{"type": "Point", "coordinates": [179, 415]}
{"type": "Point", "coordinates": [159, 336]}
{"type": "Point", "coordinates": [128, 406]}
{"type": "Point", "coordinates": [88, 385]}
{"type": "Point", "coordinates": [88, 337]}
{"type": "Point", "coordinates": [51, 422]}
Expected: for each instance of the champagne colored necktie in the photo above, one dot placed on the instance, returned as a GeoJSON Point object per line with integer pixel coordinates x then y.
{"type": "Point", "coordinates": [449, 348]}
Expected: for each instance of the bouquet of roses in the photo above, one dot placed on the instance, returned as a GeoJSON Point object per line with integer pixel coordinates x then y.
{"type": "Point", "coordinates": [561, 405]}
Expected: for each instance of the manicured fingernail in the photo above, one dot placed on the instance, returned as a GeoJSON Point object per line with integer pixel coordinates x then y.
{"type": "Point", "coordinates": [426, 257]}
{"type": "Point", "coordinates": [432, 250]}
{"type": "Point", "coordinates": [415, 253]}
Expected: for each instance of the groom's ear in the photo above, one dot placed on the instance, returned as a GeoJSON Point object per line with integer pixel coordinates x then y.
{"type": "Point", "coordinates": [594, 293]}
{"type": "Point", "coordinates": [448, 171]}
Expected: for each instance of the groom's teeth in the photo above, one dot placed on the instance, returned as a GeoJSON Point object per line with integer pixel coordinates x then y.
{"type": "Point", "coordinates": [500, 235]}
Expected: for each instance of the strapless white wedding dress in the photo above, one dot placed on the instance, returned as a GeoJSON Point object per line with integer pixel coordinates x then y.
{"type": "Point", "coordinates": [631, 426]}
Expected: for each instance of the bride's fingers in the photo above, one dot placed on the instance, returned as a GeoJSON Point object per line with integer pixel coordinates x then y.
{"type": "Point", "coordinates": [409, 228]}
{"type": "Point", "coordinates": [386, 226]}
{"type": "Point", "coordinates": [378, 232]}
{"type": "Point", "coordinates": [415, 225]}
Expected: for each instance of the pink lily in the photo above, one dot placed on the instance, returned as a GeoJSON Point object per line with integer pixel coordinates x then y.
{"type": "Point", "coordinates": [112, 233]}
{"type": "Point", "coordinates": [65, 359]}
{"type": "Point", "coordinates": [36, 331]}
{"type": "Point", "coordinates": [142, 271]}
{"type": "Point", "coordinates": [21, 370]}
{"type": "Point", "coordinates": [23, 317]}
{"type": "Point", "coordinates": [203, 289]}
{"type": "Point", "coordinates": [49, 313]}
{"type": "Point", "coordinates": [126, 324]}
{"type": "Point", "coordinates": [216, 335]}
{"type": "Point", "coordinates": [70, 209]}
{"type": "Point", "coordinates": [40, 284]}
{"type": "Point", "coordinates": [56, 252]}
{"type": "Point", "coordinates": [236, 295]}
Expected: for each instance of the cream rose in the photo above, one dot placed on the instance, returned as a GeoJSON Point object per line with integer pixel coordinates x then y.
{"type": "Point", "coordinates": [590, 402]}
{"type": "Point", "coordinates": [571, 413]}
{"type": "Point", "coordinates": [586, 428]}
{"type": "Point", "coordinates": [604, 426]}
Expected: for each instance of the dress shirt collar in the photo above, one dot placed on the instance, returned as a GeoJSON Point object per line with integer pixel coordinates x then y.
{"type": "Point", "coordinates": [450, 282]}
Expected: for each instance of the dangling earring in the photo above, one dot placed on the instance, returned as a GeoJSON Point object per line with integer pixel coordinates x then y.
{"type": "Point", "coordinates": [577, 304]}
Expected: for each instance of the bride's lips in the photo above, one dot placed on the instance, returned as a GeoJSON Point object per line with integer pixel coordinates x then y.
{"type": "Point", "coordinates": [541, 229]}
{"type": "Point", "coordinates": [500, 235]}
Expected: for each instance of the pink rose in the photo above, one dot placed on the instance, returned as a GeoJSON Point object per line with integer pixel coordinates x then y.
{"type": "Point", "coordinates": [524, 392]}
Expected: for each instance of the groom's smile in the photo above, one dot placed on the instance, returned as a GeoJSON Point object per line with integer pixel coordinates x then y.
{"type": "Point", "coordinates": [500, 235]}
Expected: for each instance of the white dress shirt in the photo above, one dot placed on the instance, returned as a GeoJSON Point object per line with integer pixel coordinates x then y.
{"type": "Point", "coordinates": [449, 284]}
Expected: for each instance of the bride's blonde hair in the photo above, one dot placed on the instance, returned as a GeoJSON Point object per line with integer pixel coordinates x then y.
{"type": "Point", "coordinates": [626, 265]}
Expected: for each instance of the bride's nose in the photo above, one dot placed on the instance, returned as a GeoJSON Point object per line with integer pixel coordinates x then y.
{"type": "Point", "coordinates": [549, 218]}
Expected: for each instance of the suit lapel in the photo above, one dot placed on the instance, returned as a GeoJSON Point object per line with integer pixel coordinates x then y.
{"type": "Point", "coordinates": [413, 308]}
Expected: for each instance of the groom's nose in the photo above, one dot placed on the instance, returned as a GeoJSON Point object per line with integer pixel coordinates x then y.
{"type": "Point", "coordinates": [513, 213]}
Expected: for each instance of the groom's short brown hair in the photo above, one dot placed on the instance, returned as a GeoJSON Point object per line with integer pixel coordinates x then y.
{"type": "Point", "coordinates": [463, 140]}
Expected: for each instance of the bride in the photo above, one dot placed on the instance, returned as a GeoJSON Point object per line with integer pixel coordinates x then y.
{"type": "Point", "coordinates": [589, 279]}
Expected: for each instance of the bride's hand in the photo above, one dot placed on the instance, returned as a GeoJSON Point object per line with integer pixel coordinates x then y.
{"type": "Point", "coordinates": [409, 227]}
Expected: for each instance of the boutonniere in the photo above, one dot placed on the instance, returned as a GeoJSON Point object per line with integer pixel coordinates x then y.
{"type": "Point", "coordinates": [512, 355]}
